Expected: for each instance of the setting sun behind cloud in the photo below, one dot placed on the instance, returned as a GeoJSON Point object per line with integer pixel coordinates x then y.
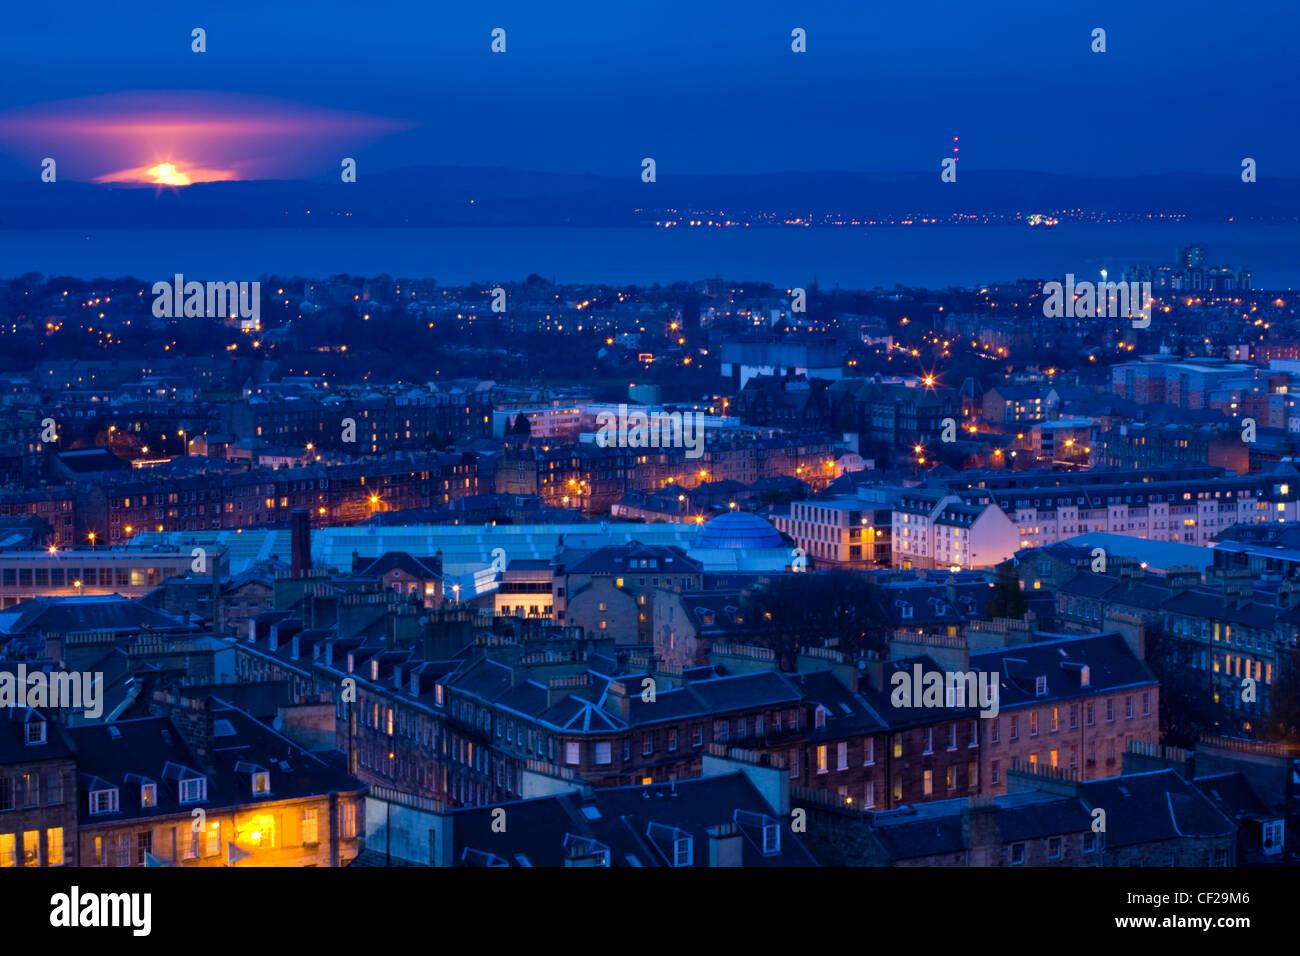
{"type": "Point", "coordinates": [168, 173]}
{"type": "Point", "coordinates": [183, 138]}
{"type": "Point", "coordinates": [165, 174]}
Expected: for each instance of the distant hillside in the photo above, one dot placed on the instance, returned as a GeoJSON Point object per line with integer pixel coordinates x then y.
{"type": "Point", "coordinates": [447, 196]}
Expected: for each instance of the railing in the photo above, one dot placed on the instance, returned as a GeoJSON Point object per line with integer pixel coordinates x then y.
{"type": "Point", "coordinates": [824, 798]}
{"type": "Point", "coordinates": [1000, 625]}
{"type": "Point", "coordinates": [1260, 747]}
{"type": "Point", "coordinates": [412, 800]}
{"type": "Point", "coordinates": [545, 767]}
{"type": "Point", "coordinates": [930, 640]}
{"type": "Point", "coordinates": [1145, 748]}
{"type": "Point", "coordinates": [825, 653]}
{"type": "Point", "coordinates": [757, 758]}
{"type": "Point", "coordinates": [1020, 765]}
{"type": "Point", "coordinates": [743, 650]}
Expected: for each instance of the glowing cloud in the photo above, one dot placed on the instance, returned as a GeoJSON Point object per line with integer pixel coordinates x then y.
{"type": "Point", "coordinates": [172, 173]}
{"type": "Point", "coordinates": [176, 139]}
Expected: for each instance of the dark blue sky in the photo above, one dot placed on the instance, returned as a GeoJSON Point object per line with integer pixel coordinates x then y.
{"type": "Point", "coordinates": [712, 88]}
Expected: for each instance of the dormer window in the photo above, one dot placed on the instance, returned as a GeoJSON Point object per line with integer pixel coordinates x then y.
{"type": "Point", "coordinates": [194, 790]}
{"type": "Point", "coordinates": [819, 717]}
{"type": "Point", "coordinates": [374, 670]}
{"type": "Point", "coordinates": [1085, 676]}
{"type": "Point", "coordinates": [578, 847]}
{"type": "Point", "coordinates": [674, 843]}
{"type": "Point", "coordinates": [34, 733]}
{"type": "Point", "coordinates": [103, 801]}
{"type": "Point", "coordinates": [261, 783]}
{"type": "Point", "coordinates": [771, 839]}
{"type": "Point", "coordinates": [682, 851]}
{"type": "Point", "coordinates": [148, 795]}
{"type": "Point", "coordinates": [1040, 686]}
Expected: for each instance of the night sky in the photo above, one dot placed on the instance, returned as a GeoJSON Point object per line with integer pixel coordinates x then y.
{"type": "Point", "coordinates": [285, 89]}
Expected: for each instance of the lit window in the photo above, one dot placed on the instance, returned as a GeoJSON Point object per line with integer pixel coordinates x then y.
{"type": "Point", "coordinates": [263, 833]}
{"type": "Point", "coordinates": [309, 827]}
{"type": "Point", "coordinates": [54, 846]}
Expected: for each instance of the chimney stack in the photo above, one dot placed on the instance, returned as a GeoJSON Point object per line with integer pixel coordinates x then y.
{"type": "Point", "coordinates": [726, 845]}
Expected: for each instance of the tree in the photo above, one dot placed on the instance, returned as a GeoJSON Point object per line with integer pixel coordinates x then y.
{"type": "Point", "coordinates": [1006, 598]}
{"type": "Point", "coordinates": [1188, 709]}
{"type": "Point", "coordinates": [1282, 724]}
{"type": "Point", "coordinates": [838, 609]}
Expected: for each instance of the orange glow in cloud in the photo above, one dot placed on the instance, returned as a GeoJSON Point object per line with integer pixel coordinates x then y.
{"type": "Point", "coordinates": [176, 139]}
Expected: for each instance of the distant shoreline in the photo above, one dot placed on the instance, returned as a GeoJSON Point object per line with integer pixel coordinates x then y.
{"type": "Point", "coordinates": [861, 258]}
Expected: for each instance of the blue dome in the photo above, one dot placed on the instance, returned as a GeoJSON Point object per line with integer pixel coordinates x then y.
{"type": "Point", "coordinates": [737, 529]}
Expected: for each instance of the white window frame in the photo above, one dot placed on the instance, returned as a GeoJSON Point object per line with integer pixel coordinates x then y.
{"type": "Point", "coordinates": [683, 851]}
{"type": "Point", "coordinates": [193, 790]}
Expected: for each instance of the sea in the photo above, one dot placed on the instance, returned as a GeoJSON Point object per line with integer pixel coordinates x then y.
{"type": "Point", "coordinates": [928, 256]}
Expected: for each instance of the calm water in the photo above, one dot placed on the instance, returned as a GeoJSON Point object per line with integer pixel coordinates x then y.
{"type": "Point", "coordinates": [934, 256]}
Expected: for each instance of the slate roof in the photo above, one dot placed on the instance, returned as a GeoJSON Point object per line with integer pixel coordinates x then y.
{"type": "Point", "coordinates": [847, 713]}
{"type": "Point", "coordinates": [60, 615]}
{"type": "Point", "coordinates": [704, 693]}
{"type": "Point", "coordinates": [935, 827]}
{"type": "Point", "coordinates": [633, 826]}
{"type": "Point", "coordinates": [1111, 664]}
{"type": "Point", "coordinates": [425, 568]}
{"type": "Point", "coordinates": [881, 703]}
{"type": "Point", "coordinates": [127, 753]}
{"type": "Point", "coordinates": [1232, 794]}
{"type": "Point", "coordinates": [1150, 807]}
{"type": "Point", "coordinates": [13, 742]}
{"type": "Point", "coordinates": [618, 559]}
